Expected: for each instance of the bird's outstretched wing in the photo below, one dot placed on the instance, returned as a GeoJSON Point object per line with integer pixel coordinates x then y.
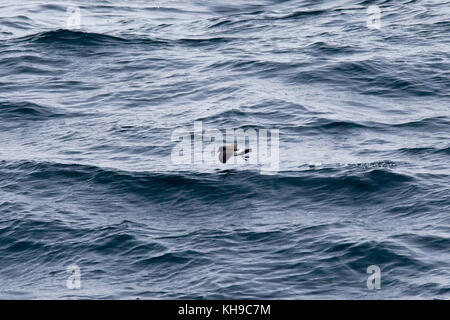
{"type": "Point", "coordinates": [242, 151]}
{"type": "Point", "coordinates": [230, 150]}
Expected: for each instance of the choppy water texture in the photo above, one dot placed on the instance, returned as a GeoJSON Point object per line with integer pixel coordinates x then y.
{"type": "Point", "coordinates": [86, 118]}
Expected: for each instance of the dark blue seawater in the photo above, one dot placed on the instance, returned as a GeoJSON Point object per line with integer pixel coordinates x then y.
{"type": "Point", "coordinates": [86, 177]}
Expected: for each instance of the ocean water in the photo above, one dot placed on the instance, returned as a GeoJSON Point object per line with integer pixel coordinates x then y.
{"type": "Point", "coordinates": [90, 195]}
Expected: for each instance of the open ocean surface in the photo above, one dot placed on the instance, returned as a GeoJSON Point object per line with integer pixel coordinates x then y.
{"type": "Point", "coordinates": [86, 178]}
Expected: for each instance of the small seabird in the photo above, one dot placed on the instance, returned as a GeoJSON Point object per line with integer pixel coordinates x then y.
{"type": "Point", "coordinates": [229, 150]}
